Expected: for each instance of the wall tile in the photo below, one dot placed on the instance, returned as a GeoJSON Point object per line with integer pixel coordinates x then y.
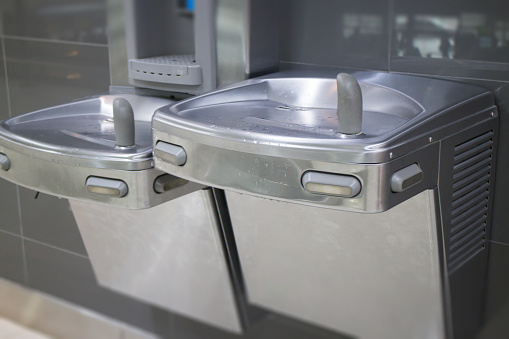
{"type": "Point", "coordinates": [335, 33]}
{"type": "Point", "coordinates": [44, 74]}
{"type": "Point", "coordinates": [70, 277]}
{"type": "Point", "coordinates": [11, 258]}
{"type": "Point", "coordinates": [48, 219]}
{"type": "Point", "coordinates": [76, 20]}
{"type": "Point", "coordinates": [9, 207]}
{"type": "Point", "coordinates": [452, 38]}
{"type": "Point", "coordinates": [8, 196]}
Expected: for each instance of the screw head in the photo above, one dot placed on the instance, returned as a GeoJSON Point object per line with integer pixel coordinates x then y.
{"type": "Point", "coordinates": [430, 139]}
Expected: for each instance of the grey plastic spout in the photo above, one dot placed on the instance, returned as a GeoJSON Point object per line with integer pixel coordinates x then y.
{"type": "Point", "coordinates": [123, 120]}
{"type": "Point", "coordinates": [349, 104]}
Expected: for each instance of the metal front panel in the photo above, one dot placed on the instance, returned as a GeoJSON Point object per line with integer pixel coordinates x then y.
{"type": "Point", "coordinates": [170, 255]}
{"type": "Point", "coordinates": [69, 181]}
{"type": "Point", "coordinates": [260, 136]}
{"type": "Point", "coordinates": [280, 178]}
{"type": "Point", "coordinates": [367, 275]}
{"type": "Point", "coordinates": [55, 151]}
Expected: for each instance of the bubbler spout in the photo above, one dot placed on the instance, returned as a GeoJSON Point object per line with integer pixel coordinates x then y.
{"type": "Point", "coordinates": [349, 108]}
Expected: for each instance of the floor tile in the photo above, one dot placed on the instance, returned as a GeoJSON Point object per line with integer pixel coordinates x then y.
{"type": "Point", "coordinates": [12, 330]}
{"type": "Point", "coordinates": [58, 318]}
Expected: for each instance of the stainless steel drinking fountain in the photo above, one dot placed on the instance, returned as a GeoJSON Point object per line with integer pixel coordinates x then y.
{"type": "Point", "coordinates": [370, 217]}
{"type": "Point", "coordinates": [72, 151]}
{"type": "Point", "coordinates": [149, 235]}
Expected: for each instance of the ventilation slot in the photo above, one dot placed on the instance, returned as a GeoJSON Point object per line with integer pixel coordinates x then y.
{"type": "Point", "coordinates": [470, 197]}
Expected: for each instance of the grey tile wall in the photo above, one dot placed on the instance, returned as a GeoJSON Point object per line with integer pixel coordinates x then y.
{"type": "Point", "coordinates": [11, 258]}
{"type": "Point", "coordinates": [44, 74]}
{"type": "Point", "coordinates": [9, 208]}
{"type": "Point", "coordinates": [468, 39]}
{"type": "Point", "coordinates": [71, 277]}
{"type": "Point", "coordinates": [76, 20]}
{"type": "Point", "coordinates": [8, 198]}
{"type": "Point", "coordinates": [335, 33]}
{"type": "Point", "coordinates": [49, 219]}
{"type": "Point", "coordinates": [117, 43]}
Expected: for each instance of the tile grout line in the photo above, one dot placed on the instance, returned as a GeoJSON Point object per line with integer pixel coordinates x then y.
{"type": "Point", "coordinates": [63, 42]}
{"type": "Point", "coordinates": [18, 200]}
{"type": "Point", "coordinates": [24, 256]}
{"type": "Point", "coordinates": [45, 244]}
{"type": "Point", "coordinates": [9, 233]}
{"type": "Point", "coordinates": [390, 23]}
{"type": "Point", "coordinates": [4, 57]}
{"type": "Point", "coordinates": [56, 248]}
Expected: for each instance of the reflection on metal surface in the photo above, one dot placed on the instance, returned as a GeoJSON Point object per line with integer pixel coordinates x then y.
{"type": "Point", "coordinates": [5, 163]}
{"type": "Point", "coordinates": [247, 39]}
{"type": "Point", "coordinates": [350, 272]}
{"type": "Point", "coordinates": [117, 47]}
{"type": "Point", "coordinates": [105, 186]}
{"type": "Point", "coordinates": [167, 182]}
{"type": "Point", "coordinates": [332, 184]}
{"type": "Point", "coordinates": [100, 141]}
{"type": "Point", "coordinates": [170, 255]}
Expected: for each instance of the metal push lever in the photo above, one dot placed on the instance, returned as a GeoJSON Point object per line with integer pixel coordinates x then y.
{"type": "Point", "coordinates": [123, 121]}
{"type": "Point", "coordinates": [349, 104]}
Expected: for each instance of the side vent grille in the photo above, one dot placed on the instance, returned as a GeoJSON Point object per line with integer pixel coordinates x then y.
{"type": "Point", "coordinates": [471, 185]}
